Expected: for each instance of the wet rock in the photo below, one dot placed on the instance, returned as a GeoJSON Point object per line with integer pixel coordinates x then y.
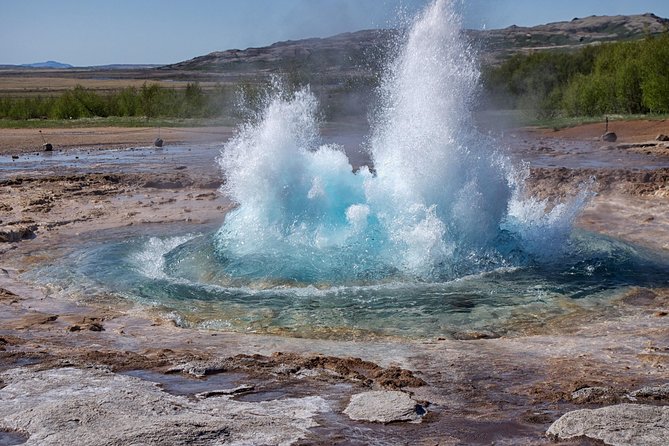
{"type": "Point", "coordinates": [660, 392]}
{"type": "Point", "coordinates": [33, 319]}
{"type": "Point", "coordinates": [330, 368]}
{"type": "Point", "coordinates": [7, 295]}
{"type": "Point", "coordinates": [87, 323]}
{"type": "Point", "coordinates": [662, 137]}
{"type": "Point", "coordinates": [97, 407]}
{"type": "Point", "coordinates": [200, 369]}
{"type": "Point", "coordinates": [471, 335]}
{"type": "Point", "coordinates": [17, 232]}
{"type": "Point", "coordinates": [622, 424]}
{"type": "Point", "coordinates": [225, 392]}
{"type": "Point", "coordinates": [640, 297]}
{"type": "Point", "coordinates": [383, 406]}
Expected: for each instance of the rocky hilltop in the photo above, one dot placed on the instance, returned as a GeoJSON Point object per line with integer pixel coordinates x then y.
{"type": "Point", "coordinates": [363, 50]}
{"type": "Point", "coordinates": [342, 52]}
{"type": "Point", "coordinates": [501, 43]}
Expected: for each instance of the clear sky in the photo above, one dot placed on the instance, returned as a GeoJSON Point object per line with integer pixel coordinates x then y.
{"type": "Point", "coordinates": [99, 32]}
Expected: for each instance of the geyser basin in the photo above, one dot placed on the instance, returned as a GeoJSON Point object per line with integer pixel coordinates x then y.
{"type": "Point", "coordinates": [184, 278]}
{"type": "Point", "coordinates": [440, 238]}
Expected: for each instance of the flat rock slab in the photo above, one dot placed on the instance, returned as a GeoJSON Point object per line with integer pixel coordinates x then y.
{"type": "Point", "coordinates": [97, 407]}
{"type": "Point", "coordinates": [384, 407]}
{"type": "Point", "coordinates": [622, 424]}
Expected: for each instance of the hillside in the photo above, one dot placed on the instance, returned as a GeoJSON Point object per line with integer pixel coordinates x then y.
{"type": "Point", "coordinates": [47, 64]}
{"type": "Point", "coordinates": [499, 44]}
{"type": "Point", "coordinates": [362, 51]}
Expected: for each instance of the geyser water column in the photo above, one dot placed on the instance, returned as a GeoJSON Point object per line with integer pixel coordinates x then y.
{"type": "Point", "coordinates": [438, 206]}
{"type": "Point", "coordinates": [441, 190]}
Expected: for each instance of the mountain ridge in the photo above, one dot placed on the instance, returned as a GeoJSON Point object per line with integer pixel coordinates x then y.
{"type": "Point", "coordinates": [47, 64]}
{"type": "Point", "coordinates": [347, 50]}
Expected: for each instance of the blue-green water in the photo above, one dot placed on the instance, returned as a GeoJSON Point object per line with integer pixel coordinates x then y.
{"type": "Point", "coordinates": [184, 278]}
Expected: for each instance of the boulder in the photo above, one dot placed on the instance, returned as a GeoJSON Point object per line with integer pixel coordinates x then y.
{"type": "Point", "coordinates": [662, 137]}
{"type": "Point", "coordinates": [622, 424]}
{"type": "Point", "coordinates": [384, 406]}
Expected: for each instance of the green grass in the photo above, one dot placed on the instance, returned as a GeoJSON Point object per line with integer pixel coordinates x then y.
{"type": "Point", "coordinates": [566, 122]}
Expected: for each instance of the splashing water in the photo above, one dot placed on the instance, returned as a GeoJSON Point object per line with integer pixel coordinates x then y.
{"type": "Point", "coordinates": [442, 203]}
{"type": "Point", "coordinates": [441, 230]}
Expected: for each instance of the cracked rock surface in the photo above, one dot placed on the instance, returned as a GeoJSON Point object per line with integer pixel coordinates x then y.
{"type": "Point", "coordinates": [97, 407]}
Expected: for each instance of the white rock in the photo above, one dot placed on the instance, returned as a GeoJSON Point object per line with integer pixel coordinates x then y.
{"type": "Point", "coordinates": [383, 407]}
{"type": "Point", "coordinates": [69, 406]}
{"type": "Point", "coordinates": [622, 424]}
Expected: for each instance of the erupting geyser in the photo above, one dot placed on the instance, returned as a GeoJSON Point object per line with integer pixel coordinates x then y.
{"type": "Point", "coordinates": [442, 203]}
{"type": "Point", "coordinates": [439, 238]}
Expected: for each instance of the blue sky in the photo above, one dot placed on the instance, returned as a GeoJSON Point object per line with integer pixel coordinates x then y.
{"type": "Point", "coordinates": [96, 32]}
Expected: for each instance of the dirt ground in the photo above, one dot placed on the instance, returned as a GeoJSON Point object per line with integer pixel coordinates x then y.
{"type": "Point", "coordinates": [17, 141]}
{"type": "Point", "coordinates": [626, 131]}
{"type": "Point", "coordinates": [506, 390]}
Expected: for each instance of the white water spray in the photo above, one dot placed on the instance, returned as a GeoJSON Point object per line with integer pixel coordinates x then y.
{"type": "Point", "coordinates": [443, 202]}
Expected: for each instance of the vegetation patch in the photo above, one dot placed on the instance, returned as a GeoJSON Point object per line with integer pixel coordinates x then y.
{"type": "Point", "coordinates": [615, 78]}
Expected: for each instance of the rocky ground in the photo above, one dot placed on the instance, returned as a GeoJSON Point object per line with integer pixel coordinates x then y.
{"type": "Point", "coordinates": [82, 372]}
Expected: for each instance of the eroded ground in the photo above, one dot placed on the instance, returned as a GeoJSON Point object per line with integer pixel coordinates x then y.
{"type": "Point", "coordinates": [70, 369]}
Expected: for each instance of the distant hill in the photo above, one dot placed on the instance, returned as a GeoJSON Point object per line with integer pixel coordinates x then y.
{"type": "Point", "coordinates": [501, 43]}
{"type": "Point", "coordinates": [364, 50]}
{"type": "Point", "coordinates": [339, 53]}
{"type": "Point", "coordinates": [47, 64]}
{"type": "Point", "coordinates": [122, 66]}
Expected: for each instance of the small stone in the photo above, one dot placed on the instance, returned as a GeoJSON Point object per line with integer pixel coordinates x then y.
{"type": "Point", "coordinates": [660, 392]}
{"type": "Point", "coordinates": [593, 394]}
{"type": "Point", "coordinates": [662, 137]}
{"type": "Point", "coordinates": [95, 326]}
{"type": "Point", "coordinates": [609, 137]}
{"type": "Point", "coordinates": [472, 335]}
{"type": "Point", "coordinates": [225, 392]}
{"type": "Point", "coordinates": [384, 407]}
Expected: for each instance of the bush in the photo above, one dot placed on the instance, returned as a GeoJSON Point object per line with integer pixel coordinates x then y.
{"type": "Point", "coordinates": [150, 101]}
{"type": "Point", "coordinates": [623, 77]}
